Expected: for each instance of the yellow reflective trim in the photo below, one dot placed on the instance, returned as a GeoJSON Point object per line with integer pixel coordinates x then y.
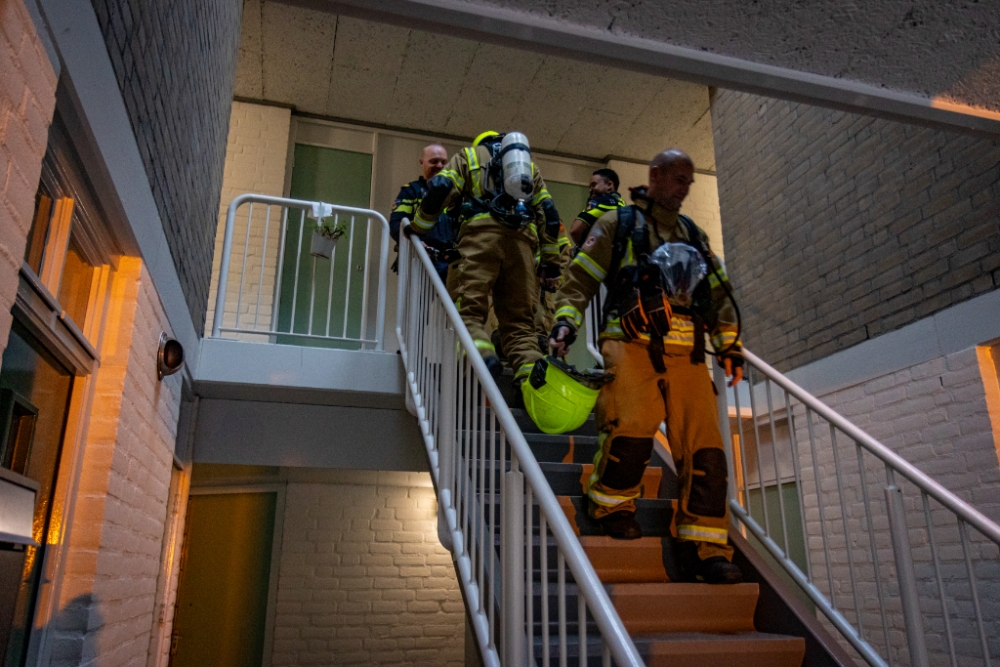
{"type": "Point", "coordinates": [452, 176]}
{"type": "Point", "coordinates": [702, 534]}
{"type": "Point", "coordinates": [590, 266]}
{"type": "Point", "coordinates": [550, 248]}
{"type": "Point", "coordinates": [541, 196]}
{"type": "Point", "coordinates": [479, 216]}
{"type": "Point", "coordinates": [571, 313]}
{"type": "Point", "coordinates": [723, 339]}
{"type": "Point", "coordinates": [485, 346]}
{"type": "Point", "coordinates": [523, 370]}
{"type": "Point", "coordinates": [605, 499]}
{"type": "Point", "coordinates": [420, 223]}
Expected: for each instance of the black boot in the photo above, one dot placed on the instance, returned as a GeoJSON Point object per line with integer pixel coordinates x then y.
{"type": "Point", "coordinates": [493, 365]}
{"type": "Point", "coordinates": [621, 526]}
{"type": "Point", "coordinates": [714, 570]}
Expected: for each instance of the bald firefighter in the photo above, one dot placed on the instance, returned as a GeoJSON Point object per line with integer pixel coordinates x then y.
{"type": "Point", "coordinates": [655, 347]}
{"type": "Point", "coordinates": [507, 215]}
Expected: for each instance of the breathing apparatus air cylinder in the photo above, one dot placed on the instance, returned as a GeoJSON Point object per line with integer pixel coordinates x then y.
{"type": "Point", "coordinates": [515, 161]}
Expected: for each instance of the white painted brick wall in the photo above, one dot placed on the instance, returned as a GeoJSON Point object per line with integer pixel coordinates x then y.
{"type": "Point", "coordinates": [363, 578]}
{"type": "Point", "coordinates": [935, 416]}
{"type": "Point", "coordinates": [27, 101]}
{"type": "Point", "coordinates": [113, 562]}
{"type": "Point", "coordinates": [255, 162]}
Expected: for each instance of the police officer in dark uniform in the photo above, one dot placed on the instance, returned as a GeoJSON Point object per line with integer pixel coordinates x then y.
{"type": "Point", "coordinates": [440, 241]}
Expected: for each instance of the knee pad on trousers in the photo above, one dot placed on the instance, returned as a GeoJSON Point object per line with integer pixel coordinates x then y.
{"type": "Point", "coordinates": [709, 479]}
{"type": "Point", "coordinates": [627, 460]}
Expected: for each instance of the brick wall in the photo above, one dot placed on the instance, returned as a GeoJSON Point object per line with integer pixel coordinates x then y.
{"type": "Point", "coordinates": [113, 560]}
{"type": "Point", "coordinates": [27, 102]}
{"type": "Point", "coordinates": [363, 578]}
{"type": "Point", "coordinates": [841, 227]}
{"type": "Point", "coordinates": [176, 64]}
{"type": "Point", "coordinates": [256, 153]}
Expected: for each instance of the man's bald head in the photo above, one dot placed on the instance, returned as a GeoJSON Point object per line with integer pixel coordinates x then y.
{"type": "Point", "coordinates": [671, 174]}
{"type": "Point", "coordinates": [432, 160]}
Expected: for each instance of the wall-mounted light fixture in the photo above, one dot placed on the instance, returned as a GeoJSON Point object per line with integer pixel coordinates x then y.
{"type": "Point", "coordinates": [169, 356]}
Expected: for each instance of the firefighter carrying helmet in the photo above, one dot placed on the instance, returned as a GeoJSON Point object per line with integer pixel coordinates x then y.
{"type": "Point", "coordinates": [558, 398]}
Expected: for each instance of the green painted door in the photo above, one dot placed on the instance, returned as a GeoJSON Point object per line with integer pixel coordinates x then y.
{"type": "Point", "coordinates": [570, 200]}
{"type": "Point", "coordinates": [324, 297]}
{"type": "Point", "coordinates": [225, 572]}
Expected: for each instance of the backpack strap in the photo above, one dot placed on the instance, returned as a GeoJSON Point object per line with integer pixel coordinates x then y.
{"type": "Point", "coordinates": [631, 227]}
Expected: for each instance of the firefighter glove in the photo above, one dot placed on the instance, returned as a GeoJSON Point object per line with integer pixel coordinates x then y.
{"type": "Point", "coordinates": [563, 335]}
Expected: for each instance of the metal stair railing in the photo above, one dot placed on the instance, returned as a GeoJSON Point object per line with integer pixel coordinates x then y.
{"type": "Point", "coordinates": [312, 308]}
{"type": "Point", "coordinates": [486, 476]}
{"type": "Point", "coordinates": [883, 551]}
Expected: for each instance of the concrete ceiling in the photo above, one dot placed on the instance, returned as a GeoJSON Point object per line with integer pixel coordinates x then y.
{"type": "Point", "coordinates": [348, 68]}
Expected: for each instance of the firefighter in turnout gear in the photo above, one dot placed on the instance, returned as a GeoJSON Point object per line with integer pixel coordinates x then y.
{"type": "Point", "coordinates": [507, 216]}
{"type": "Point", "coordinates": [604, 197]}
{"type": "Point", "coordinates": [654, 344]}
{"type": "Point", "coordinates": [440, 241]}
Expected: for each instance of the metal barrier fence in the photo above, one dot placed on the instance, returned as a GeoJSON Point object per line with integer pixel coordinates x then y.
{"type": "Point", "coordinates": [497, 505]}
{"type": "Point", "coordinates": [899, 566]}
{"type": "Point", "coordinates": [285, 294]}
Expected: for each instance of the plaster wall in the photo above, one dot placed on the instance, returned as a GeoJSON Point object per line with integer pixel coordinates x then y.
{"type": "Point", "coordinates": [27, 103]}
{"type": "Point", "coordinates": [362, 576]}
{"type": "Point", "coordinates": [947, 51]}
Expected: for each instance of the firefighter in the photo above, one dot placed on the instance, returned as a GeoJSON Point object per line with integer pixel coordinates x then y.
{"type": "Point", "coordinates": [440, 240]}
{"type": "Point", "coordinates": [657, 355]}
{"type": "Point", "coordinates": [507, 215]}
{"type": "Point", "coordinates": [604, 197]}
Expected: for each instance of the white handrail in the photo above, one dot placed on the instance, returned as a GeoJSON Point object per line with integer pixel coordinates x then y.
{"type": "Point", "coordinates": [613, 632]}
{"type": "Point", "coordinates": [325, 210]}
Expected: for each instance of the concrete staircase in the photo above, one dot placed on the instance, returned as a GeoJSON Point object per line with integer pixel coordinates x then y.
{"type": "Point", "coordinates": [672, 624]}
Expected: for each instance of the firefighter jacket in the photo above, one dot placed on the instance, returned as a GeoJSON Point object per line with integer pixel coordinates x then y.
{"type": "Point", "coordinates": [466, 179]}
{"type": "Point", "coordinates": [597, 207]}
{"type": "Point", "coordinates": [441, 235]}
{"type": "Point", "coordinates": [593, 264]}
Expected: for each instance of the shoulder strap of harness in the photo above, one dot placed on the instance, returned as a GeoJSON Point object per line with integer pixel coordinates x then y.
{"type": "Point", "coordinates": [631, 226]}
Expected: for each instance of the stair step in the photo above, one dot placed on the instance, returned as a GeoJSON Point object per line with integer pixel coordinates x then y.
{"type": "Point", "coordinates": [691, 649]}
{"type": "Point", "coordinates": [651, 608]}
{"type": "Point", "coordinates": [653, 514]}
{"type": "Point", "coordinates": [624, 562]}
{"type": "Point", "coordinates": [745, 649]}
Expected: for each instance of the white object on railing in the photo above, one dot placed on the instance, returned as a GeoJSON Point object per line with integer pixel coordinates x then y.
{"type": "Point", "coordinates": [264, 298]}
{"type": "Point", "coordinates": [841, 530]}
{"type": "Point", "coordinates": [482, 465]}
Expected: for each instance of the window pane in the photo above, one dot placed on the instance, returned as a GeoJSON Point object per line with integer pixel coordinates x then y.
{"type": "Point", "coordinates": [39, 229]}
{"type": "Point", "coordinates": [74, 288]}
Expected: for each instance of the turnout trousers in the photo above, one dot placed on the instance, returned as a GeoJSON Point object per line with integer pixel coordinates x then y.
{"type": "Point", "coordinates": [500, 261]}
{"type": "Point", "coordinates": [629, 411]}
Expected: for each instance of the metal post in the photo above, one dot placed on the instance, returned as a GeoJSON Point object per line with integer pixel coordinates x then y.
{"type": "Point", "coordinates": [722, 401]}
{"type": "Point", "coordinates": [905, 575]}
{"type": "Point", "coordinates": [513, 570]}
{"type": "Point", "coordinates": [227, 250]}
{"type": "Point", "coordinates": [446, 421]}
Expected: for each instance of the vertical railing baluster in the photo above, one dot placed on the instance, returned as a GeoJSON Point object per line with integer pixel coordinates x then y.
{"type": "Point", "coordinates": [774, 455]}
{"type": "Point", "coordinates": [561, 591]}
{"type": "Point", "coordinates": [276, 301]}
{"type": "Point", "coordinates": [329, 292]}
{"type": "Point", "coordinates": [529, 579]}
{"type": "Point", "coordinates": [797, 469]}
{"type": "Point", "coordinates": [350, 270]}
{"type": "Point", "coordinates": [760, 466]}
{"type": "Point", "coordinates": [940, 581]}
{"type": "Point", "coordinates": [543, 566]}
{"type": "Point", "coordinates": [743, 444]}
{"type": "Point", "coordinates": [847, 531]}
{"type": "Point", "coordinates": [366, 278]}
{"type": "Point", "coordinates": [906, 578]}
{"type": "Point", "coordinates": [298, 265]}
{"type": "Point", "coordinates": [243, 271]}
{"type": "Point", "coordinates": [819, 506]}
{"type": "Point", "coordinates": [983, 643]}
{"type": "Point", "coordinates": [263, 259]}
{"type": "Point", "coordinates": [581, 620]}
{"type": "Point", "coordinates": [874, 549]}
{"type": "Point", "coordinates": [482, 502]}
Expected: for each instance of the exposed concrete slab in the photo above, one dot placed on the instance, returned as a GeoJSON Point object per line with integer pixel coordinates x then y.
{"type": "Point", "coordinates": [312, 436]}
{"type": "Point", "coordinates": [284, 373]}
